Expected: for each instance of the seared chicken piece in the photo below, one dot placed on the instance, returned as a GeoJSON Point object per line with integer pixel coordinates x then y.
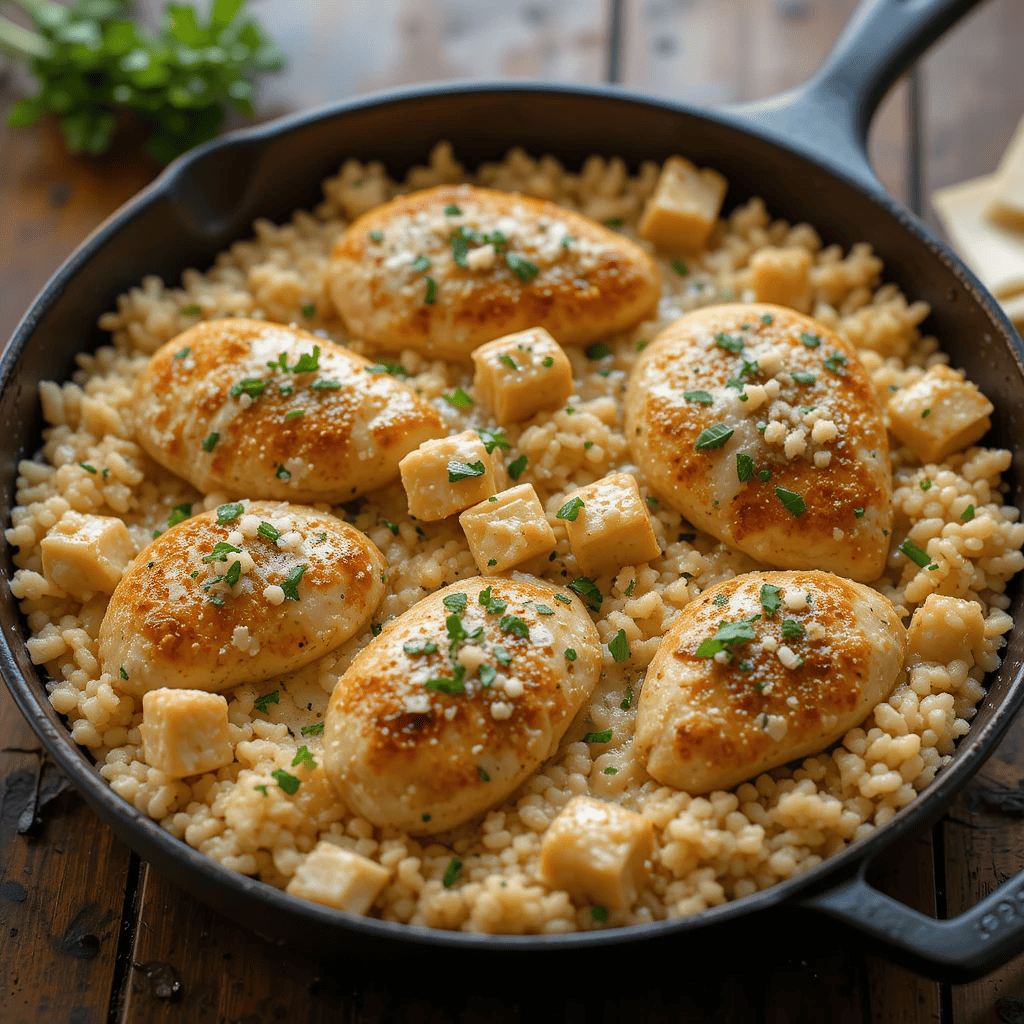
{"type": "Point", "coordinates": [444, 270]}
{"type": "Point", "coordinates": [254, 408]}
{"type": "Point", "coordinates": [763, 669]}
{"type": "Point", "coordinates": [242, 593]}
{"type": "Point", "coordinates": [458, 701]}
{"type": "Point", "coordinates": [761, 426]}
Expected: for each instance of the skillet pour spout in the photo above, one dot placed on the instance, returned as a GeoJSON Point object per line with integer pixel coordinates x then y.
{"type": "Point", "coordinates": [804, 153]}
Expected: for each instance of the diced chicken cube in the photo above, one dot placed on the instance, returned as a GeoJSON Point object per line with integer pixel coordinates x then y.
{"type": "Point", "coordinates": [939, 414]}
{"type": "Point", "coordinates": [946, 629]}
{"type": "Point", "coordinates": [86, 555]}
{"type": "Point", "coordinates": [521, 374]}
{"type": "Point", "coordinates": [611, 528]}
{"type": "Point", "coordinates": [507, 530]}
{"type": "Point", "coordinates": [782, 276]}
{"type": "Point", "coordinates": [338, 878]}
{"type": "Point", "coordinates": [446, 475]}
{"type": "Point", "coordinates": [597, 851]}
{"type": "Point", "coordinates": [684, 208]}
{"type": "Point", "coordinates": [185, 732]}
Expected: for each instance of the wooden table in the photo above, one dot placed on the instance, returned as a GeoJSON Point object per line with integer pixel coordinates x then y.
{"type": "Point", "coordinates": [90, 934]}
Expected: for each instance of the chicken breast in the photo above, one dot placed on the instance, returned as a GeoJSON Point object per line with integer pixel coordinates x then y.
{"type": "Point", "coordinates": [763, 669]}
{"type": "Point", "coordinates": [239, 594]}
{"type": "Point", "coordinates": [458, 701]}
{"type": "Point", "coordinates": [258, 409]}
{"type": "Point", "coordinates": [762, 428]}
{"type": "Point", "coordinates": [444, 270]}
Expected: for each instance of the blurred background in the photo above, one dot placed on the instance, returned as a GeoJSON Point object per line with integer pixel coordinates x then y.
{"type": "Point", "coordinates": [950, 122]}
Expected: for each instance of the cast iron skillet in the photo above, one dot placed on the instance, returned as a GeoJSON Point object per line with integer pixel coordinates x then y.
{"type": "Point", "coordinates": [804, 152]}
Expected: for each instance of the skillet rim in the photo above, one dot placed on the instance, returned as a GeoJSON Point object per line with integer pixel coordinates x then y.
{"type": "Point", "coordinates": [207, 879]}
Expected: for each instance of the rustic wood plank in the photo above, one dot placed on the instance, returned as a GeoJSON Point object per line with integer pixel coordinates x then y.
{"type": "Point", "coordinates": [62, 891]}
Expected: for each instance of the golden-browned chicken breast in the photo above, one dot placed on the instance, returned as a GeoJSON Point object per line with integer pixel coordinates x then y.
{"type": "Point", "coordinates": [762, 428]}
{"type": "Point", "coordinates": [444, 270]}
{"type": "Point", "coordinates": [763, 669]}
{"type": "Point", "coordinates": [242, 593]}
{"type": "Point", "coordinates": [260, 409]}
{"type": "Point", "coordinates": [458, 701]}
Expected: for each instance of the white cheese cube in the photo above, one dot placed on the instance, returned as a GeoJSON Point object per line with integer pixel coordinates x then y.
{"type": "Point", "coordinates": [446, 475]}
{"type": "Point", "coordinates": [507, 530]}
{"type": "Point", "coordinates": [939, 414]}
{"type": "Point", "coordinates": [946, 629]}
{"type": "Point", "coordinates": [684, 208]}
{"type": "Point", "coordinates": [521, 374]}
{"type": "Point", "coordinates": [782, 276]}
{"type": "Point", "coordinates": [86, 555]}
{"type": "Point", "coordinates": [338, 878]}
{"type": "Point", "coordinates": [612, 527]}
{"type": "Point", "coordinates": [597, 851]}
{"type": "Point", "coordinates": [185, 732]}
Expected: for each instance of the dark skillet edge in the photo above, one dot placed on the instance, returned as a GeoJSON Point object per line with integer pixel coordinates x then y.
{"type": "Point", "coordinates": [293, 919]}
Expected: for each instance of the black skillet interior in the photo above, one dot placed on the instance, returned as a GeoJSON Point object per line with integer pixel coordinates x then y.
{"type": "Point", "coordinates": [209, 199]}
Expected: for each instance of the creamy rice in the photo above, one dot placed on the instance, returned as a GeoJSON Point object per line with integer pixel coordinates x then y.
{"type": "Point", "coordinates": [707, 849]}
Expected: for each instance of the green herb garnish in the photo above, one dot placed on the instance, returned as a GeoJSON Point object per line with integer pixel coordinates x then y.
{"type": "Point", "coordinates": [229, 513]}
{"type": "Point", "coordinates": [516, 467]}
{"type": "Point", "coordinates": [729, 635]}
{"type": "Point", "coordinates": [261, 703]}
{"type": "Point", "coordinates": [598, 350]}
{"type": "Point", "coordinates": [316, 729]}
{"type": "Point", "coordinates": [570, 510]}
{"type": "Point", "coordinates": [452, 872]}
{"type": "Point", "coordinates": [210, 441]}
{"type": "Point", "coordinates": [290, 584]}
{"type": "Point", "coordinates": [604, 736]}
{"type": "Point", "coordinates": [458, 399]}
{"type": "Point", "coordinates": [698, 396]}
{"type": "Point", "coordinates": [303, 757]}
{"type": "Point", "coordinates": [793, 502]}
{"type": "Point", "coordinates": [288, 782]}
{"type": "Point", "coordinates": [521, 267]}
{"type": "Point", "coordinates": [464, 470]}
{"type": "Point", "coordinates": [587, 589]}
{"type": "Point", "coordinates": [713, 437]}
{"type": "Point", "coordinates": [744, 467]}
{"type": "Point", "coordinates": [618, 646]}
{"type": "Point", "coordinates": [916, 554]}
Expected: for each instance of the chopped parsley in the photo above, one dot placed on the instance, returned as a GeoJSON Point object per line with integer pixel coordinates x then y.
{"type": "Point", "coordinates": [771, 599]}
{"type": "Point", "coordinates": [570, 510]}
{"type": "Point", "coordinates": [288, 782]}
{"type": "Point", "coordinates": [730, 342]}
{"type": "Point", "coordinates": [514, 625]}
{"type": "Point", "coordinates": [455, 602]}
{"type": "Point", "coordinates": [810, 340]}
{"type": "Point", "coordinates": [563, 599]}
{"type": "Point", "coordinates": [567, 241]}
{"type": "Point", "coordinates": [308, 362]}
{"type": "Point", "coordinates": [502, 655]}
{"type": "Point", "coordinates": [451, 210]}
{"type": "Point", "coordinates": [543, 609]}
{"type": "Point", "coordinates": [597, 912]}
{"type": "Point", "coordinates": [548, 362]}
{"type": "Point", "coordinates": [192, 309]}
{"type": "Point", "coordinates": [792, 630]}
{"type": "Point", "coordinates": [425, 647]}
{"type": "Point", "coordinates": [431, 294]}
{"type": "Point", "coordinates": [680, 268]}
{"type": "Point", "coordinates": [791, 500]}
{"type": "Point", "coordinates": [325, 385]}
{"type": "Point", "coordinates": [516, 467]}
{"type": "Point", "coordinates": [393, 527]}
{"type": "Point", "coordinates": [629, 589]}
{"type": "Point", "coordinates": [124, 674]}
{"type": "Point", "coordinates": [719, 600]}
{"type": "Point", "coordinates": [387, 366]}
{"type": "Point", "coordinates": [458, 399]}
{"type": "Point", "coordinates": [926, 414]}
{"type": "Point", "coordinates": [641, 344]}
{"type": "Point", "coordinates": [713, 437]}
{"type": "Point", "coordinates": [484, 777]}
{"type": "Point", "coordinates": [587, 589]}
{"type": "Point", "coordinates": [294, 414]}
{"type": "Point", "coordinates": [926, 484]}
{"type": "Point", "coordinates": [494, 605]}
{"type": "Point", "coordinates": [916, 555]}
{"type": "Point", "coordinates": [613, 222]}
{"type": "Point", "coordinates": [464, 470]}
{"type": "Point", "coordinates": [316, 729]}
{"type": "Point", "coordinates": [729, 635]}
{"type": "Point", "coordinates": [858, 512]}
{"type": "Point", "coordinates": [803, 377]}
{"type": "Point", "coordinates": [618, 646]}
{"type": "Point", "coordinates": [460, 249]}
{"type": "Point", "coordinates": [261, 703]}
{"type": "Point", "coordinates": [968, 514]}
{"type": "Point", "coordinates": [493, 439]}
{"type": "Point", "coordinates": [570, 654]}
{"type": "Point", "coordinates": [487, 674]}
{"type": "Point", "coordinates": [260, 788]}
{"type": "Point", "coordinates": [376, 236]}
{"type": "Point", "coordinates": [452, 872]}
{"type": "Point", "coordinates": [449, 684]}
{"type": "Point", "coordinates": [88, 468]}
{"type": "Point", "coordinates": [179, 514]}
{"type": "Point", "coordinates": [604, 736]}
{"type": "Point", "coordinates": [303, 757]}
{"type": "Point", "coordinates": [598, 350]}
{"type": "Point", "coordinates": [220, 552]}
{"type": "Point", "coordinates": [183, 352]}
{"type": "Point", "coordinates": [744, 467]}
{"type": "Point", "coordinates": [627, 700]}
{"type": "Point", "coordinates": [521, 267]}
{"type": "Point", "coordinates": [308, 310]}
{"type": "Point", "coordinates": [698, 396]}
{"type": "Point", "coordinates": [290, 584]}
{"type": "Point", "coordinates": [508, 361]}
{"type": "Point", "coordinates": [229, 513]}
{"type": "Point", "coordinates": [210, 441]}
{"type": "Point", "coordinates": [835, 363]}
{"type": "Point", "coordinates": [282, 473]}
{"type": "Point", "coordinates": [610, 770]}
{"type": "Point", "coordinates": [767, 318]}
{"type": "Point", "coordinates": [652, 501]}
{"type": "Point", "coordinates": [251, 386]}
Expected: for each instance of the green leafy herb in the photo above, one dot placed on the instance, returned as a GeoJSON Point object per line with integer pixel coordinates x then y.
{"type": "Point", "coordinates": [420, 264]}
{"type": "Point", "coordinates": [288, 782]}
{"type": "Point", "coordinates": [325, 385]}
{"type": "Point", "coordinates": [729, 635]}
{"type": "Point", "coordinates": [793, 502]}
{"type": "Point", "coordinates": [563, 599]}
{"type": "Point", "coordinates": [424, 647]}
{"type": "Point", "coordinates": [303, 757]}
{"type": "Point", "coordinates": [502, 655]}
{"type": "Point", "coordinates": [192, 309]}
{"type": "Point", "coordinates": [599, 913]}
{"type": "Point", "coordinates": [516, 467]}
{"type": "Point", "coordinates": [610, 770]}
{"type": "Point", "coordinates": [451, 210]}
{"type": "Point", "coordinates": [968, 514]}
{"type": "Point", "coordinates": [430, 297]}
{"type": "Point", "coordinates": [627, 700]}
{"type": "Point", "coordinates": [766, 318]}
{"type": "Point", "coordinates": [220, 552]}
{"type": "Point", "coordinates": [260, 788]}
{"type": "Point", "coordinates": [713, 437]}
{"type": "Point", "coordinates": [508, 361]}
{"type": "Point", "coordinates": [521, 267]}
{"type": "Point", "coordinates": [652, 501]}
{"type": "Point", "coordinates": [268, 530]}
{"type": "Point", "coordinates": [543, 609]}
{"type": "Point", "coordinates": [449, 684]}
{"type": "Point", "coordinates": [460, 249]}
{"type": "Point", "coordinates": [452, 872]}
{"type": "Point", "coordinates": [484, 777]}
{"type": "Point", "coordinates": [88, 468]}
{"type": "Point", "coordinates": [210, 441]}
{"type": "Point", "coordinates": [744, 467]}
{"type": "Point", "coordinates": [810, 340]}
{"type": "Point", "coordinates": [458, 399]}
{"type": "Point", "coordinates": [386, 366]}
{"type": "Point", "coordinates": [316, 729]}
{"type": "Point", "coordinates": [598, 350]}
{"type": "Point", "coordinates": [926, 414]}
{"type": "Point", "coordinates": [835, 363]}
{"type": "Point", "coordinates": [494, 605]}
{"type": "Point", "coordinates": [294, 414]}
{"type": "Point", "coordinates": [803, 377]}
{"type": "Point", "coordinates": [124, 674]}
{"type": "Point", "coordinates": [641, 344]}
{"type": "Point", "coordinates": [570, 654]}
{"type": "Point", "coordinates": [548, 362]}
{"type": "Point", "coordinates": [570, 510]}
{"type": "Point", "coordinates": [618, 646]}
{"type": "Point", "coordinates": [629, 589]}
{"type": "Point", "coordinates": [493, 439]}
{"type": "Point", "coordinates": [858, 512]}
{"type": "Point", "coordinates": [179, 514]}
{"type": "Point", "coordinates": [455, 602]}
{"type": "Point", "coordinates": [308, 310]}
{"type": "Point", "coordinates": [282, 473]}
{"type": "Point", "coordinates": [290, 584]}
{"type": "Point", "coordinates": [771, 599]}
{"type": "Point", "coordinates": [229, 513]}
{"type": "Point", "coordinates": [730, 342]}
{"type": "Point", "coordinates": [680, 268]}
{"type": "Point", "coordinates": [464, 470]}
{"type": "Point", "coordinates": [698, 396]}
{"type": "Point", "coordinates": [720, 599]}
{"type": "Point", "coordinates": [588, 591]}
{"type": "Point", "coordinates": [915, 554]}
{"type": "Point", "coordinates": [183, 353]}
{"type": "Point", "coordinates": [308, 362]}
{"type": "Point", "coordinates": [926, 484]}
{"type": "Point", "coordinates": [92, 63]}
{"type": "Point", "coordinates": [251, 386]}
{"type": "Point", "coordinates": [393, 527]}
{"type": "Point", "coordinates": [567, 241]}
{"type": "Point", "coordinates": [604, 736]}
{"type": "Point", "coordinates": [514, 625]}
{"type": "Point", "coordinates": [487, 674]}
{"type": "Point", "coordinates": [376, 236]}
{"type": "Point", "coordinates": [261, 703]}
{"type": "Point", "coordinates": [792, 630]}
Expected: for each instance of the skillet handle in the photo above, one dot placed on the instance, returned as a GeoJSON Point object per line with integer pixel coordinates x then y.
{"type": "Point", "coordinates": [828, 116]}
{"type": "Point", "coordinates": [956, 949]}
